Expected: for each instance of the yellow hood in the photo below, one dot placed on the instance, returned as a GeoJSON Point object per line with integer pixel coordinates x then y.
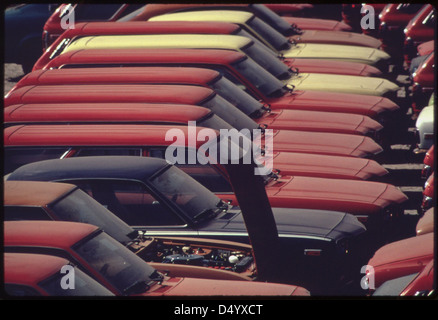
{"type": "Point", "coordinates": [357, 54]}
{"type": "Point", "coordinates": [341, 83]}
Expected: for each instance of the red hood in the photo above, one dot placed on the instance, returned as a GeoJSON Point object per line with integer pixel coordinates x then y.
{"type": "Point", "coordinates": [334, 102]}
{"type": "Point", "coordinates": [206, 287]}
{"type": "Point", "coordinates": [303, 120]}
{"type": "Point", "coordinates": [356, 197]}
{"type": "Point", "coordinates": [318, 24]}
{"type": "Point", "coordinates": [325, 143]}
{"type": "Point", "coordinates": [327, 166]}
{"type": "Point", "coordinates": [402, 258]}
{"type": "Point", "coordinates": [333, 67]}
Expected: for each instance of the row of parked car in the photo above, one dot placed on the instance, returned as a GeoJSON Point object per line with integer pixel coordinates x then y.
{"type": "Point", "coordinates": [89, 187]}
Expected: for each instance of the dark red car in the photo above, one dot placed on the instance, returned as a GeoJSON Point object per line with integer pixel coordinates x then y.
{"type": "Point", "coordinates": [367, 200]}
{"type": "Point", "coordinates": [116, 267]}
{"type": "Point", "coordinates": [393, 19]}
{"type": "Point", "coordinates": [256, 81]}
{"type": "Point", "coordinates": [420, 29]}
{"type": "Point", "coordinates": [400, 258]}
{"type": "Point", "coordinates": [301, 120]}
{"type": "Point", "coordinates": [197, 27]}
{"type": "Point", "coordinates": [423, 83]}
{"type": "Point", "coordinates": [286, 163]}
{"type": "Point", "coordinates": [135, 12]}
{"type": "Point", "coordinates": [283, 140]}
{"type": "Point", "coordinates": [31, 274]}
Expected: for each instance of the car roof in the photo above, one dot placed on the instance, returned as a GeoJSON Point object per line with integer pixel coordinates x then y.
{"type": "Point", "coordinates": [103, 112]}
{"type": "Point", "coordinates": [33, 193]}
{"type": "Point", "coordinates": [97, 135]}
{"type": "Point", "coordinates": [148, 55]}
{"type": "Point", "coordinates": [196, 41]}
{"type": "Point", "coordinates": [96, 167]}
{"type": "Point", "coordinates": [29, 268]}
{"type": "Point", "coordinates": [57, 234]}
{"type": "Point", "coordinates": [126, 75]}
{"type": "Point", "coordinates": [180, 94]}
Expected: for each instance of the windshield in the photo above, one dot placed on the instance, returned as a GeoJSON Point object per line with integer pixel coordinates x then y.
{"type": "Point", "coordinates": [273, 19]}
{"type": "Point", "coordinates": [196, 201]}
{"type": "Point", "coordinates": [275, 38]}
{"type": "Point", "coordinates": [79, 207]}
{"type": "Point", "coordinates": [263, 56]}
{"type": "Point", "coordinates": [118, 265]}
{"type": "Point", "coordinates": [239, 98]}
{"type": "Point", "coordinates": [229, 113]}
{"type": "Point", "coordinates": [265, 82]}
{"type": "Point", "coordinates": [83, 286]}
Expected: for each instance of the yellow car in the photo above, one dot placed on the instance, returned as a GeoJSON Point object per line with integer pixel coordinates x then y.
{"type": "Point", "coordinates": [343, 46]}
{"type": "Point", "coordinates": [302, 81]}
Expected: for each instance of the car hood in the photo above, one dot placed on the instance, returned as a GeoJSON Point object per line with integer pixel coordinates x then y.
{"type": "Point", "coordinates": [334, 102]}
{"type": "Point", "coordinates": [324, 143]}
{"type": "Point", "coordinates": [358, 54]}
{"type": "Point", "coordinates": [318, 224]}
{"type": "Point", "coordinates": [336, 37]}
{"type": "Point", "coordinates": [342, 83]}
{"type": "Point", "coordinates": [326, 166]}
{"type": "Point", "coordinates": [332, 67]}
{"type": "Point", "coordinates": [356, 197]}
{"type": "Point", "coordinates": [335, 122]}
{"type": "Point", "coordinates": [402, 257]}
{"type": "Point", "coordinates": [207, 287]}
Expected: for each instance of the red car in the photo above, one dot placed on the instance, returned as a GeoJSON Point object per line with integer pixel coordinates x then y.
{"type": "Point", "coordinates": [419, 30]}
{"type": "Point", "coordinates": [256, 81]}
{"type": "Point", "coordinates": [199, 27]}
{"type": "Point", "coordinates": [393, 19]}
{"type": "Point", "coordinates": [132, 12]}
{"type": "Point", "coordinates": [286, 163]}
{"type": "Point", "coordinates": [28, 274]}
{"type": "Point", "coordinates": [119, 269]}
{"type": "Point", "coordinates": [283, 140]}
{"type": "Point", "coordinates": [301, 120]}
{"type": "Point", "coordinates": [83, 12]}
{"type": "Point", "coordinates": [423, 86]}
{"type": "Point", "coordinates": [284, 24]}
{"type": "Point", "coordinates": [365, 199]}
{"type": "Point", "coordinates": [418, 284]}
{"type": "Point", "coordinates": [400, 258]}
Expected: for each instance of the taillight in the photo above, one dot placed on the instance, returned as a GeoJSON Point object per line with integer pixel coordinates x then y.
{"type": "Point", "coordinates": [426, 171]}
{"type": "Point", "coordinates": [427, 203]}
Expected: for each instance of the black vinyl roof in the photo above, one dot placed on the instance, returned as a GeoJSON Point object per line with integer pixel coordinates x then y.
{"type": "Point", "coordinates": [111, 167]}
